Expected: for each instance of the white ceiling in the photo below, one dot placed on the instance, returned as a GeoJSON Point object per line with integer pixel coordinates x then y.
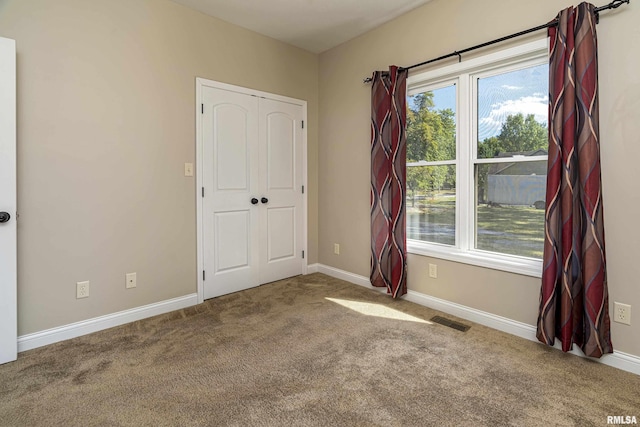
{"type": "Point", "coordinates": [313, 25]}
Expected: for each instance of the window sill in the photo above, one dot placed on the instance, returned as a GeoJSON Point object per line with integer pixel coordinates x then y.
{"type": "Point", "coordinates": [511, 264]}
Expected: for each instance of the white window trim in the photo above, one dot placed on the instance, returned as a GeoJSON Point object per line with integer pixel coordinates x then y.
{"type": "Point", "coordinates": [464, 74]}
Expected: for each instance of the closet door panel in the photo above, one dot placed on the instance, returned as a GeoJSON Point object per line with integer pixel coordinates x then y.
{"type": "Point", "coordinates": [281, 165]}
{"type": "Point", "coordinates": [230, 177]}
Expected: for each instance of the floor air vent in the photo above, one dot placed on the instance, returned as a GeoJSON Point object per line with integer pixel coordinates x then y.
{"type": "Point", "coordinates": [450, 323]}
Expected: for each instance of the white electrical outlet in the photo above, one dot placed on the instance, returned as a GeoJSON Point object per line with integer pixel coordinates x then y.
{"type": "Point", "coordinates": [433, 271]}
{"type": "Point", "coordinates": [622, 313]}
{"type": "Point", "coordinates": [131, 280]}
{"type": "Point", "coordinates": [82, 290]}
{"type": "Point", "coordinates": [336, 248]}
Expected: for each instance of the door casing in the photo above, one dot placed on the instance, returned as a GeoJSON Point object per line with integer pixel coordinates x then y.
{"type": "Point", "coordinates": [200, 84]}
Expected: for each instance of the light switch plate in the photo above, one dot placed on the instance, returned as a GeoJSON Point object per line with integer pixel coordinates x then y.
{"type": "Point", "coordinates": [188, 169]}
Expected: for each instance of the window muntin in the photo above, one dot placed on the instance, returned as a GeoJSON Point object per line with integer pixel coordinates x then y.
{"type": "Point", "coordinates": [482, 235]}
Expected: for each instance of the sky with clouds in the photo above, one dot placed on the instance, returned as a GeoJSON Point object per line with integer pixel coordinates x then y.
{"type": "Point", "coordinates": [523, 91]}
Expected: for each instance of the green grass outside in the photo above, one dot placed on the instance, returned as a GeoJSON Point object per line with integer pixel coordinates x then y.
{"type": "Point", "coordinates": [514, 230]}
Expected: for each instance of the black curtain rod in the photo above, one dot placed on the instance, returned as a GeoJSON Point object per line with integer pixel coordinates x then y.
{"type": "Point", "coordinates": [613, 5]}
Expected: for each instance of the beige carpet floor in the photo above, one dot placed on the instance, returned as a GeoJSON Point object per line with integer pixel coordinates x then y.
{"type": "Point", "coordinates": [308, 351]}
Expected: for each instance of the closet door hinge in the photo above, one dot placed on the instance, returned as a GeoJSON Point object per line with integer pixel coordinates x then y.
{"type": "Point", "coordinates": [303, 124]}
{"type": "Point", "coordinates": [201, 108]}
{"type": "Point", "coordinates": [303, 189]}
{"type": "Point", "coordinates": [202, 191]}
{"type": "Point", "coordinates": [302, 254]}
{"type": "Point", "coordinates": [203, 275]}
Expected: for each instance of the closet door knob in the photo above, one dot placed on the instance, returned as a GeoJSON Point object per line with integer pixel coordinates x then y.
{"type": "Point", "coordinates": [264, 200]}
{"type": "Point", "coordinates": [254, 201]}
{"type": "Point", "coordinates": [5, 217]}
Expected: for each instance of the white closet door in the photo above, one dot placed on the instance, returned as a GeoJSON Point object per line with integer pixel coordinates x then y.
{"type": "Point", "coordinates": [281, 234]}
{"type": "Point", "coordinates": [230, 176]}
{"type": "Point", "coordinates": [252, 210]}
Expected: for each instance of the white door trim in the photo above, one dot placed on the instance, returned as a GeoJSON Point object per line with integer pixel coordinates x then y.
{"type": "Point", "coordinates": [200, 84]}
{"type": "Point", "coordinates": [8, 203]}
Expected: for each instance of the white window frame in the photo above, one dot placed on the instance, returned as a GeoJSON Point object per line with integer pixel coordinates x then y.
{"type": "Point", "coordinates": [465, 75]}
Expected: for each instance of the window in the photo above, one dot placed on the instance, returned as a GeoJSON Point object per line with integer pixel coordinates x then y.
{"type": "Point", "coordinates": [477, 160]}
{"type": "Point", "coordinates": [431, 165]}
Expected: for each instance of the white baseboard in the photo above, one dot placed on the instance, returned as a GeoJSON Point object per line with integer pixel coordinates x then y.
{"type": "Point", "coordinates": [500, 323]}
{"type": "Point", "coordinates": [312, 268]}
{"type": "Point", "coordinates": [346, 276]}
{"type": "Point", "coordinates": [626, 362]}
{"type": "Point", "coordinates": [73, 330]}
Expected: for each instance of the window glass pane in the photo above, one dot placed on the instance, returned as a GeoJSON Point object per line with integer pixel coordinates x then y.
{"type": "Point", "coordinates": [431, 204]}
{"type": "Point", "coordinates": [431, 125]}
{"type": "Point", "coordinates": [510, 207]}
{"type": "Point", "coordinates": [512, 113]}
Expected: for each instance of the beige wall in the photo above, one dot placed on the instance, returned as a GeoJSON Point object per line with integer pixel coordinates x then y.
{"type": "Point", "coordinates": [106, 120]}
{"type": "Point", "coordinates": [438, 28]}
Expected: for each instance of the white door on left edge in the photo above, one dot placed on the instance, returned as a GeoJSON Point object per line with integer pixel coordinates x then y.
{"type": "Point", "coordinates": [8, 225]}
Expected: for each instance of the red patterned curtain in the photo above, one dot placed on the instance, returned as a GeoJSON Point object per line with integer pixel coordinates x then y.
{"type": "Point", "coordinates": [388, 181]}
{"type": "Point", "coordinates": [574, 304]}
